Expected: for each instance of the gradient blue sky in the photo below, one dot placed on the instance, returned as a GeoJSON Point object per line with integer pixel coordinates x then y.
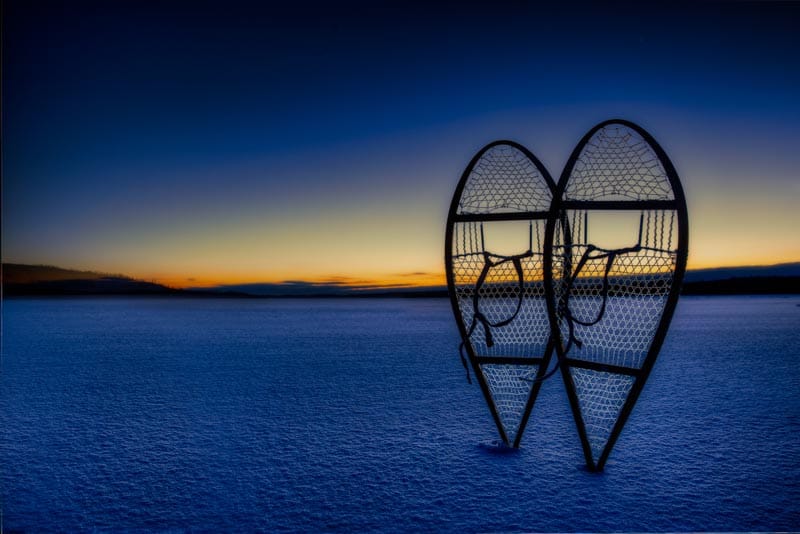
{"type": "Point", "coordinates": [223, 142]}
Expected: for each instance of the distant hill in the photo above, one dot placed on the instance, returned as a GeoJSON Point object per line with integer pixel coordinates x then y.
{"type": "Point", "coordinates": [783, 278]}
{"type": "Point", "coordinates": [724, 273]}
{"type": "Point", "coordinates": [47, 280]}
{"type": "Point", "coordinates": [18, 273]}
{"type": "Point", "coordinates": [755, 285]}
{"type": "Point", "coordinates": [20, 279]}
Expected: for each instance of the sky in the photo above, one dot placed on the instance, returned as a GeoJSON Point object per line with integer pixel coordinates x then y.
{"type": "Point", "coordinates": [208, 143]}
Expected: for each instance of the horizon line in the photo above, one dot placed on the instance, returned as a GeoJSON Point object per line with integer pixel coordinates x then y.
{"type": "Point", "coordinates": [397, 281]}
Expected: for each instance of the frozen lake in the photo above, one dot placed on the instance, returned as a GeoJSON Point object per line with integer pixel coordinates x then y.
{"type": "Point", "coordinates": [349, 414]}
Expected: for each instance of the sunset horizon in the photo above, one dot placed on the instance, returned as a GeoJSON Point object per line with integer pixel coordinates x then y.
{"type": "Point", "coordinates": [342, 164]}
{"type": "Point", "coordinates": [398, 280]}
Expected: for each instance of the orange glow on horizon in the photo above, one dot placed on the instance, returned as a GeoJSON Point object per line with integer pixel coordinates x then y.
{"type": "Point", "coordinates": [420, 279]}
{"type": "Point", "coordinates": [409, 280]}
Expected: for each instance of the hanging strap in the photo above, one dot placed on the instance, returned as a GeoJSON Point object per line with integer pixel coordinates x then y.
{"type": "Point", "coordinates": [464, 361]}
{"type": "Point", "coordinates": [550, 373]}
{"type": "Point", "coordinates": [564, 310]}
{"type": "Point", "coordinates": [478, 316]}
